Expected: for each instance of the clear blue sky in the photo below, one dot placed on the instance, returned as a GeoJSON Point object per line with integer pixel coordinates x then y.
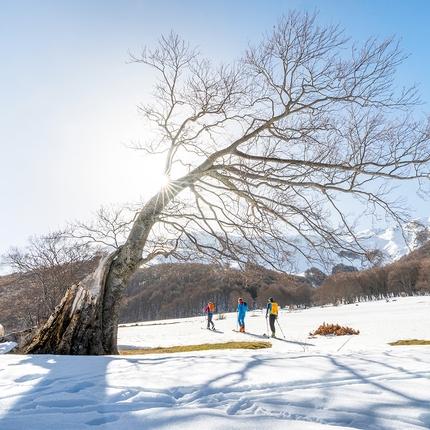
{"type": "Point", "coordinates": [68, 97]}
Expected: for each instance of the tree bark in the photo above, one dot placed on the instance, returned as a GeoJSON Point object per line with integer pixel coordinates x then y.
{"type": "Point", "coordinates": [75, 327]}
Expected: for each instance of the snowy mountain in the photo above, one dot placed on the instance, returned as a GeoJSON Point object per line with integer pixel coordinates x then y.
{"type": "Point", "coordinates": [391, 244]}
{"type": "Point", "coordinates": [395, 242]}
{"type": "Point", "coordinates": [388, 245]}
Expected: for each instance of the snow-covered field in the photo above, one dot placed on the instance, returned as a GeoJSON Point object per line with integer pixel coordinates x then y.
{"type": "Point", "coordinates": [300, 383]}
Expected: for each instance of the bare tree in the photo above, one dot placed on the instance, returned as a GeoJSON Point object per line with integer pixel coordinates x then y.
{"type": "Point", "coordinates": [44, 269]}
{"type": "Point", "coordinates": [423, 282]}
{"type": "Point", "coordinates": [255, 150]}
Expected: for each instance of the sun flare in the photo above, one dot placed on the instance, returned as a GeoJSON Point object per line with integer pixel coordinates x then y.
{"type": "Point", "coordinates": [163, 181]}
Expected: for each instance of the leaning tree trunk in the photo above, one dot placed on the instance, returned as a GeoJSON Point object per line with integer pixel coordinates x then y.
{"type": "Point", "coordinates": [75, 327]}
{"type": "Point", "coordinates": [86, 320]}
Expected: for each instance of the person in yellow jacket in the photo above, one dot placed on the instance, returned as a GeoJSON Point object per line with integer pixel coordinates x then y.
{"type": "Point", "coordinates": [272, 312]}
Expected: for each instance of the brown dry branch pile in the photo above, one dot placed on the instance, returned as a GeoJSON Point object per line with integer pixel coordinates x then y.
{"type": "Point", "coordinates": [334, 329]}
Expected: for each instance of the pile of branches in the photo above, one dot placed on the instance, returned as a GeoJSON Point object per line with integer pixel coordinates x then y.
{"type": "Point", "coordinates": [333, 329]}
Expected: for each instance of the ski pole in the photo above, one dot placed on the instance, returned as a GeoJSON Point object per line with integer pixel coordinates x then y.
{"type": "Point", "coordinates": [267, 325]}
{"type": "Point", "coordinates": [343, 344]}
{"type": "Point", "coordinates": [280, 328]}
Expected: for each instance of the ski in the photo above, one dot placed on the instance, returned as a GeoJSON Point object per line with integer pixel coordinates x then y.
{"type": "Point", "coordinates": [269, 337]}
{"type": "Point", "coordinates": [247, 332]}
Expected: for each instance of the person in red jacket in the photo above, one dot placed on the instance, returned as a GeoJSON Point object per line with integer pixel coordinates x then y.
{"type": "Point", "coordinates": [210, 309]}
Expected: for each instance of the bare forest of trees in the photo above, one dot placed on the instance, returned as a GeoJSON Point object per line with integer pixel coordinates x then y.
{"type": "Point", "coordinates": [408, 276]}
{"type": "Point", "coordinates": [179, 290]}
{"type": "Point", "coordinates": [161, 291]}
{"type": "Point", "coordinates": [183, 290]}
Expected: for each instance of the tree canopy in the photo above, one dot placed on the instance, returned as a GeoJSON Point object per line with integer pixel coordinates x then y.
{"type": "Point", "coordinates": [270, 146]}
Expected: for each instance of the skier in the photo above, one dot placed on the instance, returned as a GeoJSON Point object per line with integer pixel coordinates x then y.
{"type": "Point", "coordinates": [272, 311]}
{"type": "Point", "coordinates": [210, 311]}
{"type": "Point", "coordinates": [241, 312]}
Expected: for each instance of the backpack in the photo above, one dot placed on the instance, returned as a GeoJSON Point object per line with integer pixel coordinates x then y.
{"type": "Point", "coordinates": [211, 306]}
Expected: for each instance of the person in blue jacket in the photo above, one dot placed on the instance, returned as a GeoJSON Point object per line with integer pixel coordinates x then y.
{"type": "Point", "coordinates": [241, 312]}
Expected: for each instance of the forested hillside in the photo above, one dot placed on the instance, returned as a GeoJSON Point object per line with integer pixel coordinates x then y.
{"type": "Point", "coordinates": [183, 290]}
{"type": "Point", "coordinates": [408, 276]}
{"type": "Point", "coordinates": [156, 292]}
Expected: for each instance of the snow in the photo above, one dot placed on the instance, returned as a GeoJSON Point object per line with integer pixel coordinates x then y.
{"type": "Point", "coordinates": [302, 382]}
{"type": "Point", "coordinates": [392, 240]}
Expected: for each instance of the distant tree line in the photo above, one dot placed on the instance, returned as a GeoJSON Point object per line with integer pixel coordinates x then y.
{"type": "Point", "coordinates": [183, 290]}
{"type": "Point", "coordinates": [408, 276]}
